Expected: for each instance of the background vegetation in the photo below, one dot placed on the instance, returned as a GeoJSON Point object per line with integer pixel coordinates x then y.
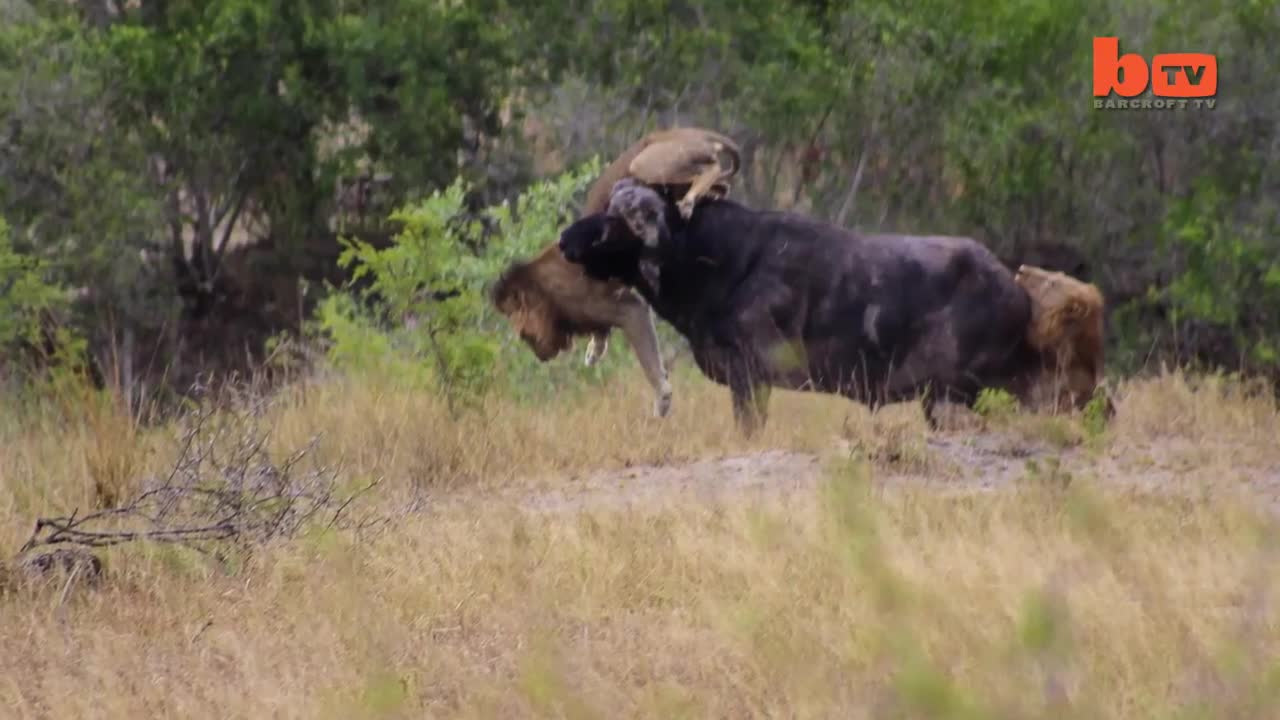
{"type": "Point", "coordinates": [315, 195]}
{"type": "Point", "coordinates": [184, 170]}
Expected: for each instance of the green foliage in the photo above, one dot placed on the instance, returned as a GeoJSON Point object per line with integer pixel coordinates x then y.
{"type": "Point", "coordinates": [925, 691]}
{"type": "Point", "coordinates": [132, 138]}
{"type": "Point", "coordinates": [433, 274]}
{"type": "Point", "coordinates": [33, 308]}
{"type": "Point", "coordinates": [952, 117]}
{"type": "Point", "coordinates": [1230, 271]}
{"type": "Point", "coordinates": [72, 180]}
{"type": "Point", "coordinates": [1095, 413]}
{"type": "Point", "coordinates": [1051, 476]}
{"type": "Point", "coordinates": [357, 345]}
{"type": "Point", "coordinates": [25, 294]}
{"type": "Point", "coordinates": [384, 694]}
{"type": "Point", "coordinates": [243, 98]}
{"type": "Point", "coordinates": [995, 403]}
{"type": "Point", "coordinates": [1041, 625]}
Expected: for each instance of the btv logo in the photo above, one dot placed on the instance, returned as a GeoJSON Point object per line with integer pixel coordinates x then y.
{"type": "Point", "coordinates": [1171, 75]}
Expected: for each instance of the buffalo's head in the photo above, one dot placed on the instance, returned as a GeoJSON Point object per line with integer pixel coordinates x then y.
{"type": "Point", "coordinates": [634, 221]}
{"type": "Point", "coordinates": [642, 211]}
{"type": "Point", "coordinates": [625, 239]}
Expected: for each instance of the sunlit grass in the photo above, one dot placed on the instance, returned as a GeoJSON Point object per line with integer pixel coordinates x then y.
{"type": "Point", "coordinates": [1065, 594]}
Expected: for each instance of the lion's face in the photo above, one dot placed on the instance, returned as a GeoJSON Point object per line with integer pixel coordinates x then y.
{"type": "Point", "coordinates": [545, 343]}
{"type": "Point", "coordinates": [531, 314]}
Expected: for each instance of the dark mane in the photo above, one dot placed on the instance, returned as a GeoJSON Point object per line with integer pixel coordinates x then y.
{"type": "Point", "coordinates": [510, 278]}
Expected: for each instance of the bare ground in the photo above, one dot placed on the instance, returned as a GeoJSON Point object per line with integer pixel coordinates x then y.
{"type": "Point", "coordinates": [962, 461]}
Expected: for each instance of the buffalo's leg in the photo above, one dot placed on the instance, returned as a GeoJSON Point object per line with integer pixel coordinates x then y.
{"type": "Point", "coordinates": [596, 348]}
{"type": "Point", "coordinates": [736, 366]}
{"type": "Point", "coordinates": [750, 403]}
{"type": "Point", "coordinates": [637, 326]}
{"type": "Point", "coordinates": [729, 366]}
{"type": "Point", "coordinates": [746, 348]}
{"type": "Point", "coordinates": [929, 404]}
{"type": "Point", "coordinates": [960, 394]}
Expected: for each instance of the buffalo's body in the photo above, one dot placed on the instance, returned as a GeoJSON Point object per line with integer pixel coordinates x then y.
{"type": "Point", "coordinates": [771, 298]}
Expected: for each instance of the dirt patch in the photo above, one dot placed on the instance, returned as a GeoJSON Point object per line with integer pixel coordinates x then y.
{"type": "Point", "coordinates": [957, 462]}
{"type": "Point", "coordinates": [773, 471]}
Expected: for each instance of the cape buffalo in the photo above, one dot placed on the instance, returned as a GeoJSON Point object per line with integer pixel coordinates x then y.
{"type": "Point", "coordinates": [776, 299]}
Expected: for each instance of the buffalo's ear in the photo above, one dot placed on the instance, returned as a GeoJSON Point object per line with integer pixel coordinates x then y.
{"type": "Point", "coordinates": [581, 235]}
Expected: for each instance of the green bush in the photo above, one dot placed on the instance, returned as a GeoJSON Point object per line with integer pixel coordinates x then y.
{"type": "Point", "coordinates": [419, 311]}
{"type": "Point", "coordinates": [30, 305]}
{"type": "Point", "coordinates": [993, 403]}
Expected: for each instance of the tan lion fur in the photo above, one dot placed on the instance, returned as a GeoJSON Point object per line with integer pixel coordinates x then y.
{"type": "Point", "coordinates": [677, 157]}
{"type": "Point", "coordinates": [1067, 329]}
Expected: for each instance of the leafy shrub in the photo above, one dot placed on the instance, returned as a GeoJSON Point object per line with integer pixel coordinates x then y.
{"type": "Point", "coordinates": [24, 293]}
{"type": "Point", "coordinates": [419, 310]}
{"type": "Point", "coordinates": [1230, 273]}
{"type": "Point", "coordinates": [1095, 413]}
{"type": "Point", "coordinates": [994, 403]}
{"type": "Point", "coordinates": [29, 300]}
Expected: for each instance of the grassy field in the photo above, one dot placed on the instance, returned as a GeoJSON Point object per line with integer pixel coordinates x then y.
{"type": "Point", "coordinates": [1010, 567]}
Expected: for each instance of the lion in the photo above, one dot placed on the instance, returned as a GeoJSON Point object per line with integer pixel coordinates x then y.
{"type": "Point", "coordinates": [1066, 328]}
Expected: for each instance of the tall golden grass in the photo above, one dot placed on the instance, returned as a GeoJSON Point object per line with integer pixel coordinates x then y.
{"type": "Point", "coordinates": [1067, 594]}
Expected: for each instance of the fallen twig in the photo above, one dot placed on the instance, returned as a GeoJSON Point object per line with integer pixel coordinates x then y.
{"type": "Point", "coordinates": [222, 488]}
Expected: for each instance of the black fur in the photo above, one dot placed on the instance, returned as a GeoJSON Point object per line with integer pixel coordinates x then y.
{"type": "Point", "coordinates": [877, 318]}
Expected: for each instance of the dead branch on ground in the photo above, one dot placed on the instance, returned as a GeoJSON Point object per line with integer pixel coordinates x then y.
{"type": "Point", "coordinates": [222, 491]}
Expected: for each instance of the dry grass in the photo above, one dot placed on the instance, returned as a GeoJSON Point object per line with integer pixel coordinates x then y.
{"type": "Point", "coordinates": [374, 429]}
{"type": "Point", "coordinates": [1094, 601]}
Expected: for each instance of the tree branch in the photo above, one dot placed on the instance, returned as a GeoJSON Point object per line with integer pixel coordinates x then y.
{"type": "Point", "coordinates": [202, 503]}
